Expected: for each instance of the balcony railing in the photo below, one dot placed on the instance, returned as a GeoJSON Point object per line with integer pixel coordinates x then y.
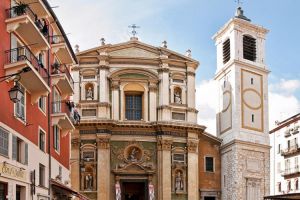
{"type": "Point", "coordinates": [20, 10]}
{"type": "Point", "coordinates": [61, 107]}
{"type": "Point", "coordinates": [67, 107]}
{"type": "Point", "coordinates": [24, 54]}
{"type": "Point", "coordinates": [57, 39]}
{"type": "Point", "coordinates": [62, 69]}
{"type": "Point", "coordinates": [291, 171]}
{"type": "Point", "coordinates": [291, 150]}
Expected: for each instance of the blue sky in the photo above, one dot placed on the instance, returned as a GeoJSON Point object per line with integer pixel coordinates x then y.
{"type": "Point", "coordinates": [191, 24]}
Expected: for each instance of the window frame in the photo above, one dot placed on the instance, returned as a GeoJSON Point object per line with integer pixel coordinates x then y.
{"type": "Point", "coordinates": [56, 138]}
{"type": "Point", "coordinates": [134, 110]}
{"type": "Point", "coordinates": [44, 133]}
{"type": "Point", "coordinates": [42, 176]}
{"type": "Point", "coordinates": [4, 141]}
{"type": "Point", "coordinates": [43, 105]}
{"type": "Point", "coordinates": [213, 163]}
{"type": "Point", "coordinates": [254, 49]}
{"type": "Point", "coordinates": [16, 114]}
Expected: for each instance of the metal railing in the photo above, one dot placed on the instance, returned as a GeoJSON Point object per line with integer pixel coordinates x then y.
{"type": "Point", "coordinates": [56, 39]}
{"type": "Point", "coordinates": [20, 10]}
{"type": "Point", "coordinates": [291, 171]}
{"type": "Point", "coordinates": [23, 53]}
{"type": "Point", "coordinates": [62, 69]}
{"type": "Point", "coordinates": [61, 107]}
{"type": "Point", "coordinates": [291, 150]}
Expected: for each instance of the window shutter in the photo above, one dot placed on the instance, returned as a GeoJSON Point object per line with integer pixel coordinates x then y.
{"type": "Point", "coordinates": [14, 147]}
{"type": "Point", "coordinates": [26, 154]}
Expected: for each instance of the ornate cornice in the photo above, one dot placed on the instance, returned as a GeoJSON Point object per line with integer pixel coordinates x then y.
{"type": "Point", "coordinates": [105, 67]}
{"type": "Point", "coordinates": [163, 70]}
{"type": "Point", "coordinates": [164, 144]}
{"type": "Point", "coordinates": [189, 73]}
{"type": "Point", "coordinates": [164, 107]}
{"type": "Point", "coordinates": [75, 142]}
{"type": "Point", "coordinates": [192, 146]}
{"type": "Point", "coordinates": [192, 110]}
{"type": "Point", "coordinates": [103, 142]}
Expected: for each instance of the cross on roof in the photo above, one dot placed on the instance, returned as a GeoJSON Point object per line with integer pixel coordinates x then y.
{"type": "Point", "coordinates": [239, 2]}
{"type": "Point", "coordinates": [133, 26]}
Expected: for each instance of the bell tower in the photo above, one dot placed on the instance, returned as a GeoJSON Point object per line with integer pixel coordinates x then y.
{"type": "Point", "coordinates": [242, 115]}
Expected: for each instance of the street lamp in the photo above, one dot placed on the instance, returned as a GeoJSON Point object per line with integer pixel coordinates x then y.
{"type": "Point", "coordinates": [15, 93]}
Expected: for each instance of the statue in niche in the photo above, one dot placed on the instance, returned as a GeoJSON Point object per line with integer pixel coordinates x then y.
{"type": "Point", "coordinates": [89, 182]}
{"type": "Point", "coordinates": [177, 97]}
{"type": "Point", "coordinates": [133, 155]}
{"type": "Point", "coordinates": [178, 182]}
{"type": "Point", "coordinates": [89, 93]}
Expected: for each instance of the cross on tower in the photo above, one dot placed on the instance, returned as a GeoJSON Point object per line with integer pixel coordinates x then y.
{"type": "Point", "coordinates": [239, 2]}
{"type": "Point", "coordinates": [133, 26]}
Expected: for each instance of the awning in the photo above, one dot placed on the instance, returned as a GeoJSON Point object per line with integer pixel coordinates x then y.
{"type": "Point", "coordinates": [67, 189]}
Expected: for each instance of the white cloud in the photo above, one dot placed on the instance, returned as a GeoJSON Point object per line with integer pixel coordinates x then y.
{"type": "Point", "coordinates": [282, 102]}
{"type": "Point", "coordinates": [206, 103]}
{"type": "Point", "coordinates": [285, 86]}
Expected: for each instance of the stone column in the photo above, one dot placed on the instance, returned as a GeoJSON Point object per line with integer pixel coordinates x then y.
{"type": "Point", "coordinates": [152, 102]}
{"type": "Point", "coordinates": [115, 99]}
{"type": "Point", "coordinates": [164, 145]}
{"type": "Point", "coordinates": [192, 181]}
{"type": "Point", "coordinates": [164, 85]}
{"type": "Point", "coordinates": [103, 167]}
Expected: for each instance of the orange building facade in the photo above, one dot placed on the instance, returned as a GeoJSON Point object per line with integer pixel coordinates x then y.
{"type": "Point", "coordinates": [35, 58]}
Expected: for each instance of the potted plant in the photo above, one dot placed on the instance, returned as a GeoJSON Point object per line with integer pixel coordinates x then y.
{"type": "Point", "coordinates": [20, 8]}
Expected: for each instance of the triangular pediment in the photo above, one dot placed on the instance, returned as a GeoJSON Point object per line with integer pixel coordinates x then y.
{"type": "Point", "coordinates": [133, 52]}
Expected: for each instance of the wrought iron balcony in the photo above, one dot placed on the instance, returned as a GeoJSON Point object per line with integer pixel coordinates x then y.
{"type": "Point", "coordinates": [291, 171]}
{"type": "Point", "coordinates": [22, 20]}
{"type": "Point", "coordinates": [291, 150]}
{"type": "Point", "coordinates": [60, 48]}
{"type": "Point", "coordinates": [62, 115]}
{"type": "Point", "coordinates": [36, 80]}
{"type": "Point", "coordinates": [62, 78]}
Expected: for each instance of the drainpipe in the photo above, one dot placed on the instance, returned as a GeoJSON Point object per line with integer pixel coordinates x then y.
{"type": "Point", "coordinates": [49, 123]}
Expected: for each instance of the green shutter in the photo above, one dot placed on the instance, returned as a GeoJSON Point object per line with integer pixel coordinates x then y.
{"type": "Point", "coordinates": [14, 147]}
{"type": "Point", "coordinates": [26, 154]}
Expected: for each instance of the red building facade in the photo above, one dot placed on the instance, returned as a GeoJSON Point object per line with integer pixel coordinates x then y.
{"type": "Point", "coordinates": [35, 132]}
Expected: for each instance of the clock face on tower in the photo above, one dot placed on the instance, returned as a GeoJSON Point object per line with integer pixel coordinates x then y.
{"type": "Point", "coordinates": [252, 99]}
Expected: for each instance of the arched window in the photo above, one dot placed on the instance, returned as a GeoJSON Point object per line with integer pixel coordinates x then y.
{"type": "Point", "coordinates": [178, 95]}
{"type": "Point", "coordinates": [89, 91]}
{"type": "Point", "coordinates": [289, 186]}
{"type": "Point", "coordinates": [296, 184]}
{"type": "Point", "coordinates": [249, 48]}
{"type": "Point", "coordinates": [279, 187]}
{"type": "Point", "coordinates": [134, 95]}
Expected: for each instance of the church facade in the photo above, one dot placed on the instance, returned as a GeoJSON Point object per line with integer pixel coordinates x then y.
{"type": "Point", "coordinates": [138, 137]}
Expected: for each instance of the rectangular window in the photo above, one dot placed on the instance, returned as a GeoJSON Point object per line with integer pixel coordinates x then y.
{"type": "Point", "coordinates": [133, 105]}
{"type": "Point", "coordinates": [279, 187]}
{"type": "Point", "coordinates": [252, 81]}
{"type": "Point", "coordinates": [252, 118]}
{"type": "Point", "coordinates": [56, 132]}
{"type": "Point", "coordinates": [19, 150]}
{"type": "Point", "coordinates": [42, 104]}
{"type": "Point", "coordinates": [4, 139]}
{"type": "Point", "coordinates": [42, 175]}
{"type": "Point", "coordinates": [42, 138]}
{"type": "Point", "coordinates": [279, 149]}
{"type": "Point", "coordinates": [226, 51]}
{"type": "Point", "coordinates": [296, 163]}
{"type": "Point", "coordinates": [20, 105]}
{"type": "Point", "coordinates": [289, 144]}
{"type": "Point", "coordinates": [209, 164]}
{"type": "Point", "coordinates": [60, 172]}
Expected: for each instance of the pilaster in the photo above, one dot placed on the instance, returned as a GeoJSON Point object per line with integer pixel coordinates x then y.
{"type": "Point", "coordinates": [193, 183]}
{"type": "Point", "coordinates": [164, 146]}
{"type": "Point", "coordinates": [74, 164]}
{"type": "Point", "coordinates": [115, 99]}
{"type": "Point", "coordinates": [152, 102]}
{"type": "Point", "coordinates": [103, 167]}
